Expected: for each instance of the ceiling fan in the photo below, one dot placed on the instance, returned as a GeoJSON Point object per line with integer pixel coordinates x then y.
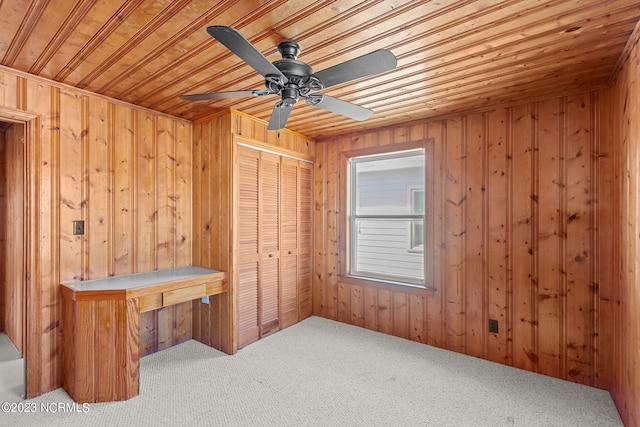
{"type": "Point", "coordinates": [292, 79]}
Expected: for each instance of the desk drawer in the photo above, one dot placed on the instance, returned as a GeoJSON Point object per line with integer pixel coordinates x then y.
{"type": "Point", "coordinates": [150, 302]}
{"type": "Point", "coordinates": [189, 293]}
{"type": "Point", "coordinates": [217, 287]}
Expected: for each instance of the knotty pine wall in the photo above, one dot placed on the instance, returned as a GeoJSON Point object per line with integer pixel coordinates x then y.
{"type": "Point", "coordinates": [126, 172]}
{"type": "Point", "coordinates": [624, 121]}
{"type": "Point", "coordinates": [214, 154]}
{"type": "Point", "coordinates": [12, 248]}
{"type": "Point", "coordinates": [3, 208]}
{"type": "Point", "coordinates": [522, 207]}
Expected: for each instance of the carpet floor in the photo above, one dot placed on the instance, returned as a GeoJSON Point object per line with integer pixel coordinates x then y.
{"type": "Point", "coordinates": [325, 373]}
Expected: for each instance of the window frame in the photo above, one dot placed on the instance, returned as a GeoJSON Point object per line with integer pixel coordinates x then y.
{"type": "Point", "coordinates": [344, 228]}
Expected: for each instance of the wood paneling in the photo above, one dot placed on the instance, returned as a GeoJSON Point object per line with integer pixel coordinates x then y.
{"type": "Point", "coordinates": [212, 208]}
{"type": "Point", "coordinates": [516, 238]}
{"type": "Point", "coordinates": [3, 207]}
{"type": "Point", "coordinates": [471, 54]}
{"type": "Point", "coordinates": [102, 348]}
{"type": "Point", "coordinates": [126, 172]}
{"type": "Point", "coordinates": [622, 302]}
{"type": "Point", "coordinates": [215, 245]}
{"type": "Point", "coordinates": [12, 236]}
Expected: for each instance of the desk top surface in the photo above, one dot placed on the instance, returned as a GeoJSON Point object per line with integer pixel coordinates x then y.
{"type": "Point", "coordinates": [137, 280]}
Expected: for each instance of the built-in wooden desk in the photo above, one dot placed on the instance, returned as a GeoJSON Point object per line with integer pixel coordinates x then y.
{"type": "Point", "coordinates": [101, 332]}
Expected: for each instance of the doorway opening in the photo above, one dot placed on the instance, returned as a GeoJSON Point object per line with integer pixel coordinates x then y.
{"type": "Point", "coordinates": [13, 255]}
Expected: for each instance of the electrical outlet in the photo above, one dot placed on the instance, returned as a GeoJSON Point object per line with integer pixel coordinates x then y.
{"type": "Point", "coordinates": [78, 227]}
{"type": "Point", "coordinates": [493, 326]}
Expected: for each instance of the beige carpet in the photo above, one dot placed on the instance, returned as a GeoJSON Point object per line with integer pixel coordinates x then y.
{"type": "Point", "coordinates": [325, 373]}
{"type": "Point", "coordinates": [12, 374]}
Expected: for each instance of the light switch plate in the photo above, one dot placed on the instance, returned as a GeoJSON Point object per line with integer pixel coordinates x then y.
{"type": "Point", "coordinates": [78, 228]}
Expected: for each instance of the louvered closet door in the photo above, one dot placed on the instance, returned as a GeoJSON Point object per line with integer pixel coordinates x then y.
{"type": "Point", "coordinates": [305, 249]}
{"type": "Point", "coordinates": [289, 233]}
{"type": "Point", "coordinates": [275, 208]}
{"type": "Point", "coordinates": [269, 213]}
{"type": "Point", "coordinates": [248, 247]}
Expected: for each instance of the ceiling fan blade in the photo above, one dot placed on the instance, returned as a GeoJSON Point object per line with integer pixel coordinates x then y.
{"type": "Point", "coordinates": [238, 44]}
{"type": "Point", "coordinates": [339, 106]}
{"type": "Point", "coordinates": [279, 116]}
{"type": "Point", "coordinates": [223, 95]}
{"type": "Point", "coordinates": [370, 64]}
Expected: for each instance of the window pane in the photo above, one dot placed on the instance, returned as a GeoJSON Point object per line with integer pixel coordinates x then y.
{"type": "Point", "coordinates": [417, 235]}
{"type": "Point", "coordinates": [383, 249]}
{"type": "Point", "coordinates": [383, 186]}
{"type": "Point", "coordinates": [417, 197]}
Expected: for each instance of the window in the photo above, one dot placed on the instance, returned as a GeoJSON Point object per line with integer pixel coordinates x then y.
{"type": "Point", "coordinates": [387, 217]}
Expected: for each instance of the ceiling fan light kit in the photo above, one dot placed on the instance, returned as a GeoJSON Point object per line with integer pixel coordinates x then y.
{"type": "Point", "coordinates": [292, 79]}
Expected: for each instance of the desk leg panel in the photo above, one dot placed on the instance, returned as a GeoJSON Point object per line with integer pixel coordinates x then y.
{"type": "Point", "coordinates": [78, 351]}
{"type": "Point", "coordinates": [105, 348]}
{"type": "Point", "coordinates": [85, 323]}
{"type": "Point", "coordinates": [128, 384]}
{"type": "Point", "coordinates": [69, 315]}
{"type": "Point", "coordinates": [101, 349]}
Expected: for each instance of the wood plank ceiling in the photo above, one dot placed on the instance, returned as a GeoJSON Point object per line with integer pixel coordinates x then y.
{"type": "Point", "coordinates": [453, 56]}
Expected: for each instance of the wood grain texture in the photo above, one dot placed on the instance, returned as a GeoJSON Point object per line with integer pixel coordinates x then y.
{"type": "Point", "coordinates": [101, 349]}
{"type": "Point", "coordinates": [621, 304]}
{"type": "Point", "coordinates": [12, 238]}
{"type": "Point", "coordinates": [473, 54]}
{"type": "Point", "coordinates": [3, 227]}
{"type": "Point", "coordinates": [84, 155]}
{"type": "Point", "coordinates": [212, 186]}
{"type": "Point", "coordinates": [549, 321]}
{"type": "Point", "coordinates": [218, 241]}
{"type": "Point", "coordinates": [499, 253]}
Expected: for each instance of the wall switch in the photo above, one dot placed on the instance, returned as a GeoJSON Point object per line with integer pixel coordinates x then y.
{"type": "Point", "coordinates": [493, 326]}
{"type": "Point", "coordinates": [78, 227]}
{"type": "Point", "coordinates": [204, 300]}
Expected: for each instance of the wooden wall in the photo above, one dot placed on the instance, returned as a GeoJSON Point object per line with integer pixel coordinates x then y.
{"type": "Point", "coordinates": [625, 122]}
{"type": "Point", "coordinates": [12, 247]}
{"type": "Point", "coordinates": [519, 236]}
{"type": "Point", "coordinates": [212, 160]}
{"type": "Point", "coordinates": [3, 208]}
{"type": "Point", "coordinates": [126, 172]}
{"type": "Point", "coordinates": [533, 204]}
{"type": "Point", "coordinates": [214, 152]}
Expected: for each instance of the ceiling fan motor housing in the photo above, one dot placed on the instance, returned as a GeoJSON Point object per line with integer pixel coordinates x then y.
{"type": "Point", "coordinates": [299, 75]}
{"type": "Point", "coordinates": [289, 50]}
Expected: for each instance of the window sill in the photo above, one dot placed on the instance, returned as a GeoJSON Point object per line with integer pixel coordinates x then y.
{"type": "Point", "coordinates": [391, 285]}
